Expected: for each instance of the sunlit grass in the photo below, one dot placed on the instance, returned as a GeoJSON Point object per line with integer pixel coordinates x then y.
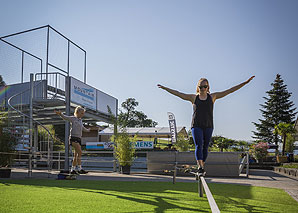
{"type": "Point", "coordinates": [31, 195]}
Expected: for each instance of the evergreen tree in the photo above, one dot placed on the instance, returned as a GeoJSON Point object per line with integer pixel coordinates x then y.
{"type": "Point", "coordinates": [276, 109]}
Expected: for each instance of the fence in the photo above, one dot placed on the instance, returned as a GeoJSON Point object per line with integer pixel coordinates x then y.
{"type": "Point", "coordinates": [40, 50]}
{"type": "Point", "coordinates": [91, 160]}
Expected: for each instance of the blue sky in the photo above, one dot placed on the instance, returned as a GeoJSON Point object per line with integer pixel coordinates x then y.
{"type": "Point", "coordinates": [132, 45]}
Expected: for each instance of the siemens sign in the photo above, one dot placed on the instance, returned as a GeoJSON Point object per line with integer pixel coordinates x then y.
{"type": "Point", "coordinates": [144, 145]}
{"type": "Point", "coordinates": [109, 145]}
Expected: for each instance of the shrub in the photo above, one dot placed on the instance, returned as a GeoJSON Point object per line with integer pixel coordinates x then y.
{"type": "Point", "coordinates": [124, 148]}
{"type": "Point", "coordinates": [7, 147]}
{"type": "Point", "coordinates": [7, 142]}
{"type": "Point", "coordinates": [259, 150]}
{"type": "Point", "coordinates": [182, 143]}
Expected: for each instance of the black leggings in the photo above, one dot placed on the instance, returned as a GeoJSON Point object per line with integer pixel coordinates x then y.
{"type": "Point", "coordinates": [201, 137]}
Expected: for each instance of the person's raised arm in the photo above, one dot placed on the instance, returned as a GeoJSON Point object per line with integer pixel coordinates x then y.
{"type": "Point", "coordinates": [218, 95]}
{"type": "Point", "coordinates": [187, 97]}
{"type": "Point", "coordinates": [64, 117]}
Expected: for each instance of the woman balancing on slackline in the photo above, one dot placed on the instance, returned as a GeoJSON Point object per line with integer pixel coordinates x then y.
{"type": "Point", "coordinates": [202, 119]}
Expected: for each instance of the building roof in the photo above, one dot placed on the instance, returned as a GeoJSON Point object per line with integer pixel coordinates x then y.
{"type": "Point", "coordinates": [160, 132]}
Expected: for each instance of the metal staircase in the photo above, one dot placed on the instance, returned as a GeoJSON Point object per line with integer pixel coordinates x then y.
{"type": "Point", "coordinates": [23, 125]}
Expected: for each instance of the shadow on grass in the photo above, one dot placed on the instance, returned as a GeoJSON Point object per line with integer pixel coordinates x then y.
{"type": "Point", "coordinates": [158, 194]}
{"type": "Point", "coordinates": [160, 203]}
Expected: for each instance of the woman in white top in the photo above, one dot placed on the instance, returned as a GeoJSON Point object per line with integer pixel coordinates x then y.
{"type": "Point", "coordinates": [75, 137]}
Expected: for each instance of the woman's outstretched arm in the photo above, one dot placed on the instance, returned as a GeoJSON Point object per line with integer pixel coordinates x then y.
{"type": "Point", "coordinates": [187, 97]}
{"type": "Point", "coordinates": [64, 117]}
{"type": "Point", "coordinates": [218, 95]}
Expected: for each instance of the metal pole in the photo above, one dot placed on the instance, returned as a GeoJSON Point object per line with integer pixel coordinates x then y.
{"type": "Point", "coordinates": [247, 164]}
{"type": "Point", "coordinates": [26, 31]}
{"type": "Point", "coordinates": [114, 154]}
{"type": "Point", "coordinates": [68, 49]}
{"type": "Point", "coordinates": [115, 133]}
{"type": "Point", "coordinates": [22, 67]}
{"type": "Point", "coordinates": [47, 60]}
{"type": "Point", "coordinates": [200, 189]}
{"type": "Point", "coordinates": [174, 175]}
{"type": "Point", "coordinates": [59, 158]}
{"type": "Point", "coordinates": [31, 125]}
{"type": "Point", "coordinates": [49, 153]}
{"type": "Point", "coordinates": [67, 111]}
{"type": "Point", "coordinates": [41, 68]}
{"type": "Point", "coordinates": [10, 44]}
{"type": "Point", "coordinates": [35, 144]}
{"type": "Point", "coordinates": [85, 67]}
{"type": "Point", "coordinates": [67, 100]}
{"type": "Point", "coordinates": [66, 38]}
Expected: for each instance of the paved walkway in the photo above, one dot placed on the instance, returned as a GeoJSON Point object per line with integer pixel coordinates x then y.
{"type": "Point", "coordinates": [263, 178]}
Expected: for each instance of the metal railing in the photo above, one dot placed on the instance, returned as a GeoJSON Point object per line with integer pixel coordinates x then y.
{"type": "Point", "coordinates": [244, 163]}
{"type": "Point", "coordinates": [51, 33]}
{"type": "Point", "coordinates": [91, 160]}
{"type": "Point", "coordinates": [55, 87]}
{"type": "Point", "coordinates": [23, 54]}
{"type": "Point", "coordinates": [18, 109]}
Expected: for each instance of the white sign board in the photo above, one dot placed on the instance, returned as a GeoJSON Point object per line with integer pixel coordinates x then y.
{"type": "Point", "coordinates": [99, 145]}
{"type": "Point", "coordinates": [82, 94]}
{"type": "Point", "coordinates": [104, 100]}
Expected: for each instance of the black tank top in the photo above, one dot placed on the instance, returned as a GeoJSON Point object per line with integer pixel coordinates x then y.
{"type": "Point", "coordinates": [202, 113]}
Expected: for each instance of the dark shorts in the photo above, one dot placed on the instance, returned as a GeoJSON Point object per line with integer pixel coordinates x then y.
{"type": "Point", "coordinates": [75, 140]}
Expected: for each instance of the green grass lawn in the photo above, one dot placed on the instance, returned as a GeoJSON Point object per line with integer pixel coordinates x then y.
{"type": "Point", "coordinates": [32, 195]}
{"type": "Point", "coordinates": [290, 165]}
